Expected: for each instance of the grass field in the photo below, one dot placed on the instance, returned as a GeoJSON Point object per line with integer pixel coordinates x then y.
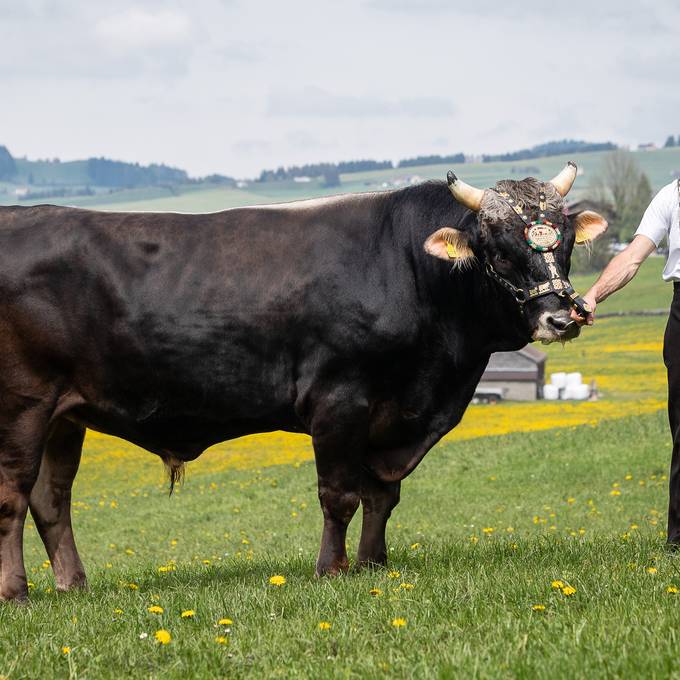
{"type": "Point", "coordinates": [518, 498]}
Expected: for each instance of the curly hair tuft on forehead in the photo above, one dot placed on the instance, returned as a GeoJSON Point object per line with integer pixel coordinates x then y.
{"type": "Point", "coordinates": [526, 192]}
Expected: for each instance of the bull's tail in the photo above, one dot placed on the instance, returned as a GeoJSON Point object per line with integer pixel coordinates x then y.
{"type": "Point", "coordinates": [175, 468]}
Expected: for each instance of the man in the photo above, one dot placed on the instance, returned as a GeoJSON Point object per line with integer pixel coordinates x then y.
{"type": "Point", "coordinates": [661, 220]}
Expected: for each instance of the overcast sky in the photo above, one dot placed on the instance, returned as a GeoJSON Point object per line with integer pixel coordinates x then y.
{"type": "Point", "coordinates": [234, 86]}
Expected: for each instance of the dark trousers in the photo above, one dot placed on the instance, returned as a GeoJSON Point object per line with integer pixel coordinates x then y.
{"type": "Point", "coordinates": [671, 357]}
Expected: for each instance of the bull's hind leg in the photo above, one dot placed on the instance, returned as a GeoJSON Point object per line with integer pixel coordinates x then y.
{"type": "Point", "coordinates": [339, 437]}
{"type": "Point", "coordinates": [378, 500]}
{"type": "Point", "coordinates": [50, 503]}
{"type": "Point", "coordinates": [22, 438]}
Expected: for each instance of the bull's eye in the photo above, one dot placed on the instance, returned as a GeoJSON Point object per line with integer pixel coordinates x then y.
{"type": "Point", "coordinates": [501, 261]}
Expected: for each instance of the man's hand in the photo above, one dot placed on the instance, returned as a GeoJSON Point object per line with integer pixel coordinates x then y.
{"type": "Point", "coordinates": [589, 297]}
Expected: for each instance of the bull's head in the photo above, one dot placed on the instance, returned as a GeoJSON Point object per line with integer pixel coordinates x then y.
{"type": "Point", "coordinates": [523, 238]}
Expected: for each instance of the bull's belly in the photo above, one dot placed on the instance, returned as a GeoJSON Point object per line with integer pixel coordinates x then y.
{"type": "Point", "coordinates": [183, 436]}
{"type": "Point", "coordinates": [184, 420]}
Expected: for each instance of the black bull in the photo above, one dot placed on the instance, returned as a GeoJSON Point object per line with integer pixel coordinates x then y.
{"type": "Point", "coordinates": [177, 331]}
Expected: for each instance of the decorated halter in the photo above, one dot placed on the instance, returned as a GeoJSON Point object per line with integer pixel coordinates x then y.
{"type": "Point", "coordinates": [544, 237]}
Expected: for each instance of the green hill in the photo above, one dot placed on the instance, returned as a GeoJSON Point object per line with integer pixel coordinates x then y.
{"type": "Point", "coordinates": [659, 165]}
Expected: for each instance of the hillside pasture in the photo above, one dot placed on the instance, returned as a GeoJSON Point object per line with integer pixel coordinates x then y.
{"type": "Point", "coordinates": [659, 166]}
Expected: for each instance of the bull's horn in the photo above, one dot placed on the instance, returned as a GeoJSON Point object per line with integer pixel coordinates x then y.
{"type": "Point", "coordinates": [565, 179]}
{"type": "Point", "coordinates": [470, 197]}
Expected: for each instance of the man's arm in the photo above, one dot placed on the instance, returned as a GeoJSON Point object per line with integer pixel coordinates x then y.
{"type": "Point", "coordinates": [617, 274]}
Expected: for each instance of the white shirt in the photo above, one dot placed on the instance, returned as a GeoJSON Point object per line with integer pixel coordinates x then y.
{"type": "Point", "coordinates": [662, 219]}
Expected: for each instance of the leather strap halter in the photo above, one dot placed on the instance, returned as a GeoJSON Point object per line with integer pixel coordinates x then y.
{"type": "Point", "coordinates": [543, 237]}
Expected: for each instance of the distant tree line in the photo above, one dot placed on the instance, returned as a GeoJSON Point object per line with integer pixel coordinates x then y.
{"type": "Point", "coordinates": [330, 170]}
{"type": "Point", "coordinates": [555, 148]}
{"type": "Point", "coordinates": [431, 160]}
{"type": "Point", "coordinates": [671, 142]}
{"type": "Point", "coordinates": [322, 169]}
{"type": "Point", "coordinates": [8, 168]}
{"type": "Point", "coordinates": [108, 173]}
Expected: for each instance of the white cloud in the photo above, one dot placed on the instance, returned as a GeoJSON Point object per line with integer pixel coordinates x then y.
{"type": "Point", "coordinates": [314, 101]}
{"type": "Point", "coordinates": [136, 28]}
{"type": "Point", "coordinates": [231, 86]}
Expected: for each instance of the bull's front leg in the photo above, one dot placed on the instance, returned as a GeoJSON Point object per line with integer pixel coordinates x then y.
{"type": "Point", "coordinates": [50, 503]}
{"type": "Point", "coordinates": [378, 500]}
{"type": "Point", "coordinates": [339, 435]}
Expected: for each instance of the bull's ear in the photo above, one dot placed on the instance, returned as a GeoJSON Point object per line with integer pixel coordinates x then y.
{"type": "Point", "coordinates": [588, 225]}
{"type": "Point", "coordinates": [451, 245]}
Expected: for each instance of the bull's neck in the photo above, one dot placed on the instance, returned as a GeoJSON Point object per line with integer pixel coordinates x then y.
{"type": "Point", "coordinates": [464, 299]}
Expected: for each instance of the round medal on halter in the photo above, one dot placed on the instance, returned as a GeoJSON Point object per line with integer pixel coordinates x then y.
{"type": "Point", "coordinates": [542, 236]}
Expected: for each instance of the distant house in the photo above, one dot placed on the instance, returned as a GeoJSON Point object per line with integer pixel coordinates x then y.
{"type": "Point", "coordinates": [650, 146]}
{"type": "Point", "coordinates": [516, 375]}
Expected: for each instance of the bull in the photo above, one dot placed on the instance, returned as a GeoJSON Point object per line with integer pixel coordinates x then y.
{"type": "Point", "coordinates": [362, 320]}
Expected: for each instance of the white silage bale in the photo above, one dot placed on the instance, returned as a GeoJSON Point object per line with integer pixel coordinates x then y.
{"type": "Point", "coordinates": [581, 391]}
{"type": "Point", "coordinates": [573, 379]}
{"type": "Point", "coordinates": [551, 392]}
{"type": "Point", "coordinates": [558, 379]}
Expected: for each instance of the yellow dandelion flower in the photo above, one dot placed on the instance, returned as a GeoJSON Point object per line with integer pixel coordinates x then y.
{"type": "Point", "coordinates": [510, 529]}
{"type": "Point", "coordinates": [672, 589]}
{"type": "Point", "coordinates": [538, 607]}
{"type": "Point", "coordinates": [376, 592]}
{"type": "Point", "coordinates": [188, 614]}
{"type": "Point", "coordinates": [65, 650]}
{"type": "Point", "coordinates": [568, 591]}
{"type": "Point", "coordinates": [399, 622]}
{"type": "Point", "coordinates": [225, 622]}
{"type": "Point", "coordinates": [614, 492]}
{"type": "Point", "coordinates": [163, 636]}
{"type": "Point", "coordinates": [651, 570]}
{"type": "Point", "coordinates": [571, 500]}
{"type": "Point", "coordinates": [117, 611]}
{"type": "Point", "coordinates": [628, 477]}
{"type": "Point", "coordinates": [132, 586]}
{"type": "Point", "coordinates": [394, 574]}
{"type": "Point", "coordinates": [155, 609]}
{"type": "Point", "coordinates": [488, 530]}
{"type": "Point", "coordinates": [324, 625]}
{"type": "Point", "coordinates": [221, 640]}
{"type": "Point", "coordinates": [277, 580]}
{"type": "Point", "coordinates": [415, 546]}
{"type": "Point", "coordinates": [406, 586]}
{"type": "Point", "coordinates": [206, 562]}
{"type": "Point", "coordinates": [30, 585]}
{"type": "Point", "coordinates": [474, 539]}
{"type": "Point", "coordinates": [557, 584]}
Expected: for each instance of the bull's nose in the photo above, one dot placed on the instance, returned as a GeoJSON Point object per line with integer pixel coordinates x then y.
{"type": "Point", "coordinates": [559, 322]}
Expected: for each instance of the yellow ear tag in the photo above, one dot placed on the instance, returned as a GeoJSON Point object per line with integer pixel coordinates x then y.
{"type": "Point", "coordinates": [451, 250]}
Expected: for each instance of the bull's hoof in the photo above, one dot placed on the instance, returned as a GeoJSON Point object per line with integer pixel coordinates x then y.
{"type": "Point", "coordinates": [16, 594]}
{"type": "Point", "coordinates": [334, 568]}
{"type": "Point", "coordinates": [371, 563]}
{"type": "Point", "coordinates": [78, 582]}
